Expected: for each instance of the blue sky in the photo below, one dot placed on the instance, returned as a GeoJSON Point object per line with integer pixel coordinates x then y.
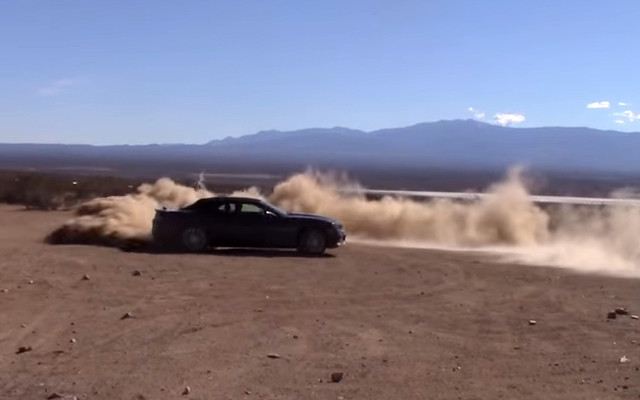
{"type": "Point", "coordinates": [124, 71]}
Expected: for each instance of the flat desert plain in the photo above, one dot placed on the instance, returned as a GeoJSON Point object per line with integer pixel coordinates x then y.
{"type": "Point", "coordinates": [397, 323]}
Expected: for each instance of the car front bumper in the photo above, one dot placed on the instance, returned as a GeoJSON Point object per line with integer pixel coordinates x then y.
{"type": "Point", "coordinates": [337, 238]}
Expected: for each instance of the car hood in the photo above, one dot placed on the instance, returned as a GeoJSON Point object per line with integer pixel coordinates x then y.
{"type": "Point", "coordinates": [314, 217]}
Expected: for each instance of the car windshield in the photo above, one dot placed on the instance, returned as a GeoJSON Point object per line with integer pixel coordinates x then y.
{"type": "Point", "coordinates": [274, 209]}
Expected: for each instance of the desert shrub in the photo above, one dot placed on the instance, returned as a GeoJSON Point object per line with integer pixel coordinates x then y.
{"type": "Point", "coordinates": [48, 191]}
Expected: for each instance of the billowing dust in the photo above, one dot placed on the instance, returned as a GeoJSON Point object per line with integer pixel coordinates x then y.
{"type": "Point", "coordinates": [507, 221]}
{"type": "Point", "coordinates": [127, 220]}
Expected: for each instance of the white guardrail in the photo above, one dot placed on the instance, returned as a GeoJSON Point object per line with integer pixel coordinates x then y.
{"type": "Point", "coordinates": [592, 201]}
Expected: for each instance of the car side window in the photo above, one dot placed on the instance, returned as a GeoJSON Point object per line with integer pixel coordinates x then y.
{"type": "Point", "coordinates": [226, 208]}
{"type": "Point", "coordinates": [251, 209]}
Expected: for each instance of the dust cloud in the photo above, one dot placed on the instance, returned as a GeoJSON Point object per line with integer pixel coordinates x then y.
{"type": "Point", "coordinates": [126, 221]}
{"type": "Point", "coordinates": [507, 217]}
{"type": "Point", "coordinates": [118, 220]}
{"type": "Point", "coordinates": [601, 240]}
{"type": "Point", "coordinates": [505, 222]}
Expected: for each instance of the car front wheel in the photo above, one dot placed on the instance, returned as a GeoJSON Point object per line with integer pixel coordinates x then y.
{"type": "Point", "coordinates": [312, 242]}
{"type": "Point", "coordinates": [194, 240]}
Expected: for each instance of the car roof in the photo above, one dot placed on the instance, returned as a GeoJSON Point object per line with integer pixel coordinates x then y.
{"type": "Point", "coordinates": [220, 199]}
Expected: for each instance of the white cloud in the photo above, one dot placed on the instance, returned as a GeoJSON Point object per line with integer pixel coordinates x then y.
{"type": "Point", "coordinates": [476, 113]}
{"type": "Point", "coordinates": [506, 119]}
{"type": "Point", "coordinates": [55, 87]}
{"type": "Point", "coordinates": [623, 104]}
{"type": "Point", "coordinates": [619, 121]}
{"type": "Point", "coordinates": [599, 104]}
{"type": "Point", "coordinates": [628, 115]}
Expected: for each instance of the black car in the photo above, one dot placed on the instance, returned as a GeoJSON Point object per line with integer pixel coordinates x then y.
{"type": "Point", "coordinates": [244, 222]}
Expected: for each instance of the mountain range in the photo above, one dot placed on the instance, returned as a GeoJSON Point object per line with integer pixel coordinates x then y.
{"type": "Point", "coordinates": [460, 144]}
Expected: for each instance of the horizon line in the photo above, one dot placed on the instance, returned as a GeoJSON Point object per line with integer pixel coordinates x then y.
{"type": "Point", "coordinates": [322, 128]}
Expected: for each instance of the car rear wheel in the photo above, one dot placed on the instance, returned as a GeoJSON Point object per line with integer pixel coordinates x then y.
{"type": "Point", "coordinates": [194, 240]}
{"type": "Point", "coordinates": [312, 242]}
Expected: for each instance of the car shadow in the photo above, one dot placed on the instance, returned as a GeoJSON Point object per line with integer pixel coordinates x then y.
{"type": "Point", "coordinates": [267, 253]}
{"type": "Point", "coordinates": [229, 252]}
{"type": "Point", "coordinates": [141, 246]}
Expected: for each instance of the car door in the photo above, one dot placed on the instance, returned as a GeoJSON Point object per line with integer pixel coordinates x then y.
{"type": "Point", "coordinates": [262, 227]}
{"type": "Point", "coordinates": [221, 227]}
{"type": "Point", "coordinates": [251, 225]}
{"type": "Point", "coordinates": [281, 231]}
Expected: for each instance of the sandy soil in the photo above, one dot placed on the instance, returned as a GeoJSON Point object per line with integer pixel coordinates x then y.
{"type": "Point", "coordinates": [399, 323]}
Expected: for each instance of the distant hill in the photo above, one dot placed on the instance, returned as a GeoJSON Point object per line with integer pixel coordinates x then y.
{"type": "Point", "coordinates": [463, 143]}
{"type": "Point", "coordinates": [275, 136]}
{"type": "Point", "coordinates": [460, 144]}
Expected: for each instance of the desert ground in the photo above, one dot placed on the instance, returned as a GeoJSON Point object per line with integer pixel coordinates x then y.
{"type": "Point", "coordinates": [398, 323]}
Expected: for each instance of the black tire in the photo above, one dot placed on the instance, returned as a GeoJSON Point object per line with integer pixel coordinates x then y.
{"type": "Point", "coordinates": [312, 242]}
{"type": "Point", "coordinates": [194, 240]}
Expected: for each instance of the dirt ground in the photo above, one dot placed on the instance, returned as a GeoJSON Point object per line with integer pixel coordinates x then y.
{"type": "Point", "coordinates": [399, 323]}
